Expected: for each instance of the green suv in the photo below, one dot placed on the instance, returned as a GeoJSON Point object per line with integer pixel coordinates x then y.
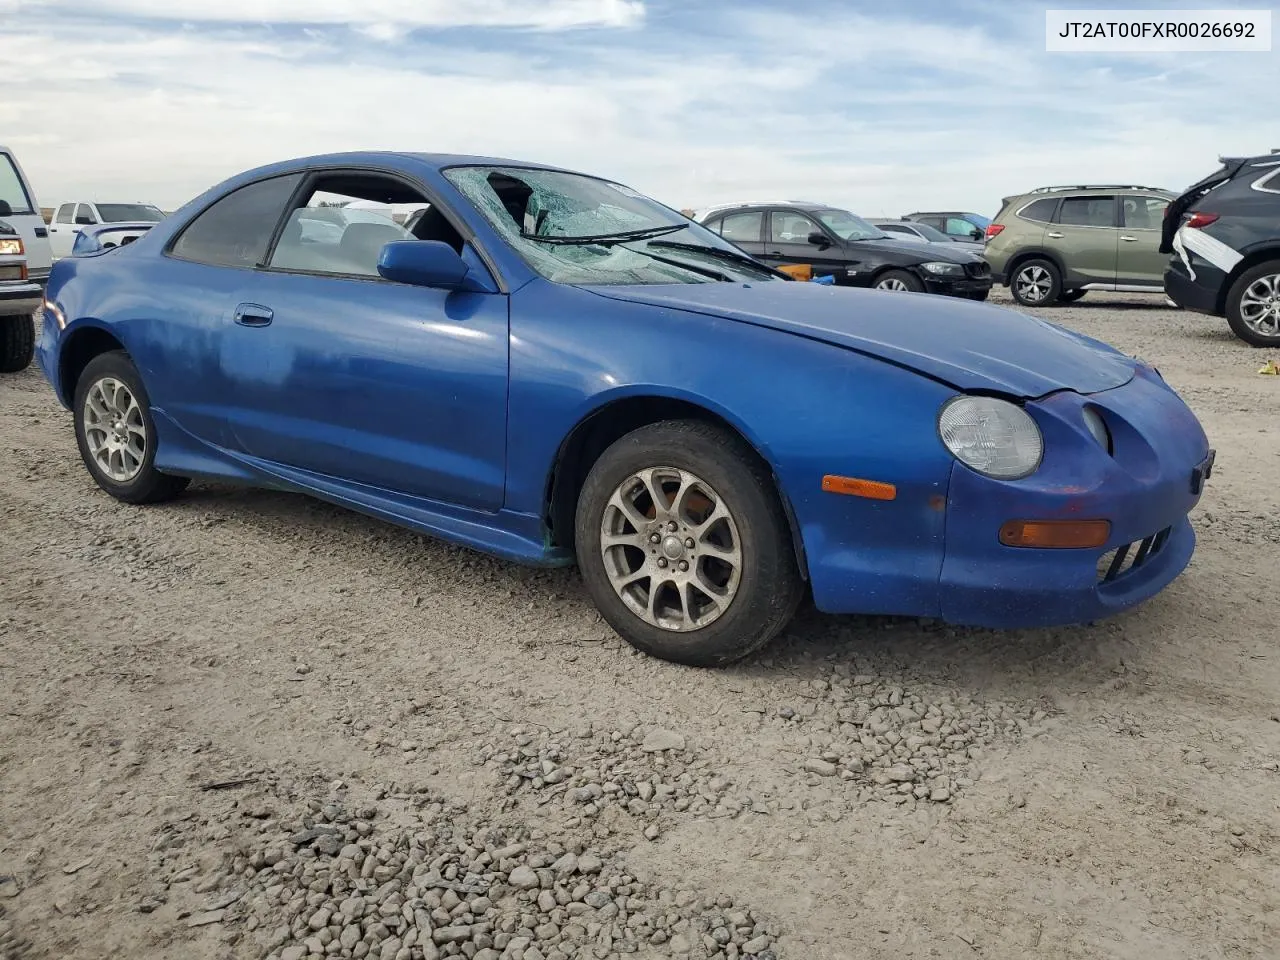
{"type": "Point", "coordinates": [1055, 244]}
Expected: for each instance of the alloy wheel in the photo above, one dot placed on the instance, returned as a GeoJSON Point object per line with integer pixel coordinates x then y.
{"type": "Point", "coordinates": [1260, 306]}
{"type": "Point", "coordinates": [1034, 283]}
{"type": "Point", "coordinates": [671, 549]}
{"type": "Point", "coordinates": [892, 283]}
{"type": "Point", "coordinates": [114, 429]}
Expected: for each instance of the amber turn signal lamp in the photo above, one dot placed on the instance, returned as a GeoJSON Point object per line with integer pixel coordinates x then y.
{"type": "Point", "coordinates": [853, 487]}
{"type": "Point", "coordinates": [1063, 534]}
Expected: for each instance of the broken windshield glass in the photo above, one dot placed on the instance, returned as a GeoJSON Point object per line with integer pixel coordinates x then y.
{"type": "Point", "coordinates": [572, 228]}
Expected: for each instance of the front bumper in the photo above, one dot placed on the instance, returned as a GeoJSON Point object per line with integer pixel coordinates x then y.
{"type": "Point", "coordinates": [967, 577]}
{"type": "Point", "coordinates": [948, 287]}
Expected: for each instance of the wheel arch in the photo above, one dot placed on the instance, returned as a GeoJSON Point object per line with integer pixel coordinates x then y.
{"type": "Point", "coordinates": [1037, 253]}
{"type": "Point", "coordinates": [81, 345]}
{"type": "Point", "coordinates": [1252, 259]}
{"type": "Point", "coordinates": [613, 419]}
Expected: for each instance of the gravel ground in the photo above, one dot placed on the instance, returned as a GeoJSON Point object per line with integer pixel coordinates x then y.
{"type": "Point", "coordinates": [247, 724]}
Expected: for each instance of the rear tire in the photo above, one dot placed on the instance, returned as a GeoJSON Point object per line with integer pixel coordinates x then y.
{"type": "Point", "coordinates": [1253, 305]}
{"type": "Point", "coordinates": [115, 432]}
{"type": "Point", "coordinates": [17, 342]}
{"type": "Point", "coordinates": [1036, 283]}
{"type": "Point", "coordinates": [899, 281]}
{"type": "Point", "coordinates": [649, 497]}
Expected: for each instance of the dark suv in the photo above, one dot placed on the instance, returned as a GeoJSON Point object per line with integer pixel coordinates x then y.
{"type": "Point", "coordinates": [1224, 234]}
{"type": "Point", "coordinates": [849, 249]}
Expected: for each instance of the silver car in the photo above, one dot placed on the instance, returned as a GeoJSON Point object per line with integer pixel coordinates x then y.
{"type": "Point", "coordinates": [914, 231]}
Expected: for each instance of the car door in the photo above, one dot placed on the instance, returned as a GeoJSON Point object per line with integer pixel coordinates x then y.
{"type": "Point", "coordinates": [1139, 260]}
{"type": "Point", "coordinates": [340, 373]}
{"type": "Point", "coordinates": [62, 234]}
{"type": "Point", "coordinates": [787, 241]}
{"type": "Point", "coordinates": [1084, 238]}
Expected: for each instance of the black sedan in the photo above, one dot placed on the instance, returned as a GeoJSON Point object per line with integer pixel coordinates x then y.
{"type": "Point", "coordinates": [839, 244]}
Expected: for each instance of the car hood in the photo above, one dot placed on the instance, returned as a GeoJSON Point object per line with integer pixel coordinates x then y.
{"type": "Point", "coordinates": [920, 252]}
{"type": "Point", "coordinates": [971, 346]}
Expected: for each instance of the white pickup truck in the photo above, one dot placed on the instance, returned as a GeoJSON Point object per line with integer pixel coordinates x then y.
{"type": "Point", "coordinates": [19, 209]}
{"type": "Point", "coordinates": [71, 217]}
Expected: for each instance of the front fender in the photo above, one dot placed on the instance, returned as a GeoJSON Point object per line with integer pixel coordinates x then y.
{"type": "Point", "coordinates": [809, 408]}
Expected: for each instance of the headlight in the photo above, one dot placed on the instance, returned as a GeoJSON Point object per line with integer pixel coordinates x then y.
{"type": "Point", "coordinates": [994, 437]}
{"type": "Point", "coordinates": [11, 246]}
{"type": "Point", "coordinates": [940, 269]}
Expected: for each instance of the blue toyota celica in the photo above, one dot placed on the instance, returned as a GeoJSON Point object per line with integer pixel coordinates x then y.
{"type": "Point", "coordinates": [551, 367]}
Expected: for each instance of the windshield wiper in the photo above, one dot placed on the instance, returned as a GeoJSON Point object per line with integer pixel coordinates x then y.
{"type": "Point", "coordinates": [691, 267]}
{"type": "Point", "coordinates": [607, 239]}
{"type": "Point", "coordinates": [716, 252]}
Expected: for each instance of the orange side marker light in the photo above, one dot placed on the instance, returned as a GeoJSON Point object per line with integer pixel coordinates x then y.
{"type": "Point", "coordinates": [853, 487]}
{"type": "Point", "coordinates": [1061, 534]}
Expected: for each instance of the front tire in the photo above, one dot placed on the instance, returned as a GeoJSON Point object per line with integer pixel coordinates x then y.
{"type": "Point", "coordinates": [17, 342]}
{"type": "Point", "coordinates": [980, 295]}
{"type": "Point", "coordinates": [684, 546]}
{"type": "Point", "coordinates": [1253, 305]}
{"type": "Point", "coordinates": [1036, 283]}
{"type": "Point", "coordinates": [899, 281]}
{"type": "Point", "coordinates": [115, 432]}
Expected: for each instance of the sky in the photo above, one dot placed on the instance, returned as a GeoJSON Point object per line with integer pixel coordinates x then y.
{"type": "Point", "coordinates": [879, 107]}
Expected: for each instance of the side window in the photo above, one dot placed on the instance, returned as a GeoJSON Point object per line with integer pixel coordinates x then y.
{"type": "Point", "coordinates": [84, 214]}
{"type": "Point", "coordinates": [741, 227]}
{"type": "Point", "coordinates": [1041, 211]}
{"type": "Point", "coordinates": [715, 225]}
{"type": "Point", "coordinates": [12, 189]}
{"type": "Point", "coordinates": [935, 222]}
{"type": "Point", "coordinates": [791, 227]}
{"type": "Point", "coordinates": [66, 213]}
{"type": "Point", "coordinates": [236, 230]}
{"type": "Point", "coordinates": [959, 227]}
{"type": "Point", "coordinates": [346, 220]}
{"type": "Point", "coordinates": [1088, 212]}
{"type": "Point", "coordinates": [1143, 213]}
{"type": "Point", "coordinates": [898, 228]}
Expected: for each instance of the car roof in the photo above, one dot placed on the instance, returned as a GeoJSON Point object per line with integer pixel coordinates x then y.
{"type": "Point", "coordinates": [438, 161]}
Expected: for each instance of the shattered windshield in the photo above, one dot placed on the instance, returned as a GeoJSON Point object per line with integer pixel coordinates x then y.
{"type": "Point", "coordinates": [577, 229]}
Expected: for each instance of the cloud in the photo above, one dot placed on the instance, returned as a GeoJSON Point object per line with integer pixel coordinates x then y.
{"type": "Point", "coordinates": [879, 114]}
{"type": "Point", "coordinates": [383, 14]}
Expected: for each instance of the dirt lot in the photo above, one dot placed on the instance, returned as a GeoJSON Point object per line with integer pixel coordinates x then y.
{"type": "Point", "coordinates": [247, 724]}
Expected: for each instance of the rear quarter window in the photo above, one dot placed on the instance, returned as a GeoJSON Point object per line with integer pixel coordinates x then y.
{"type": "Point", "coordinates": [236, 230]}
{"type": "Point", "coordinates": [1040, 211]}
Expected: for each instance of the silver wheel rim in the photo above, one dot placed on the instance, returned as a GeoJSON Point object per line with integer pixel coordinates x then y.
{"type": "Point", "coordinates": [1260, 306]}
{"type": "Point", "coordinates": [671, 549]}
{"type": "Point", "coordinates": [892, 283]}
{"type": "Point", "coordinates": [114, 429]}
{"type": "Point", "coordinates": [1033, 283]}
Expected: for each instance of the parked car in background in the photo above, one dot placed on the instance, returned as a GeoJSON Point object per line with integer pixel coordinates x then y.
{"type": "Point", "coordinates": [19, 298]}
{"type": "Point", "coordinates": [1224, 233]}
{"type": "Point", "coordinates": [105, 236]}
{"type": "Point", "coordinates": [557, 368]}
{"type": "Point", "coordinates": [1054, 244]}
{"type": "Point", "coordinates": [842, 245]}
{"type": "Point", "coordinates": [70, 218]}
{"type": "Point", "coordinates": [19, 209]}
{"type": "Point", "coordinates": [957, 224]}
{"type": "Point", "coordinates": [918, 232]}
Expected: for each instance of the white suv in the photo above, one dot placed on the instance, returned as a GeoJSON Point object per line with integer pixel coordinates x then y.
{"type": "Point", "coordinates": [19, 209]}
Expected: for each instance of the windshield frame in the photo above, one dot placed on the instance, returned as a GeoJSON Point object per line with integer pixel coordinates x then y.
{"type": "Point", "coordinates": [520, 246]}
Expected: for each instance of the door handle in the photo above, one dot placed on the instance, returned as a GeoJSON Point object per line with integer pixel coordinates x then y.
{"type": "Point", "coordinates": [1130, 239]}
{"type": "Point", "coordinates": [1056, 236]}
{"type": "Point", "coordinates": [253, 315]}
